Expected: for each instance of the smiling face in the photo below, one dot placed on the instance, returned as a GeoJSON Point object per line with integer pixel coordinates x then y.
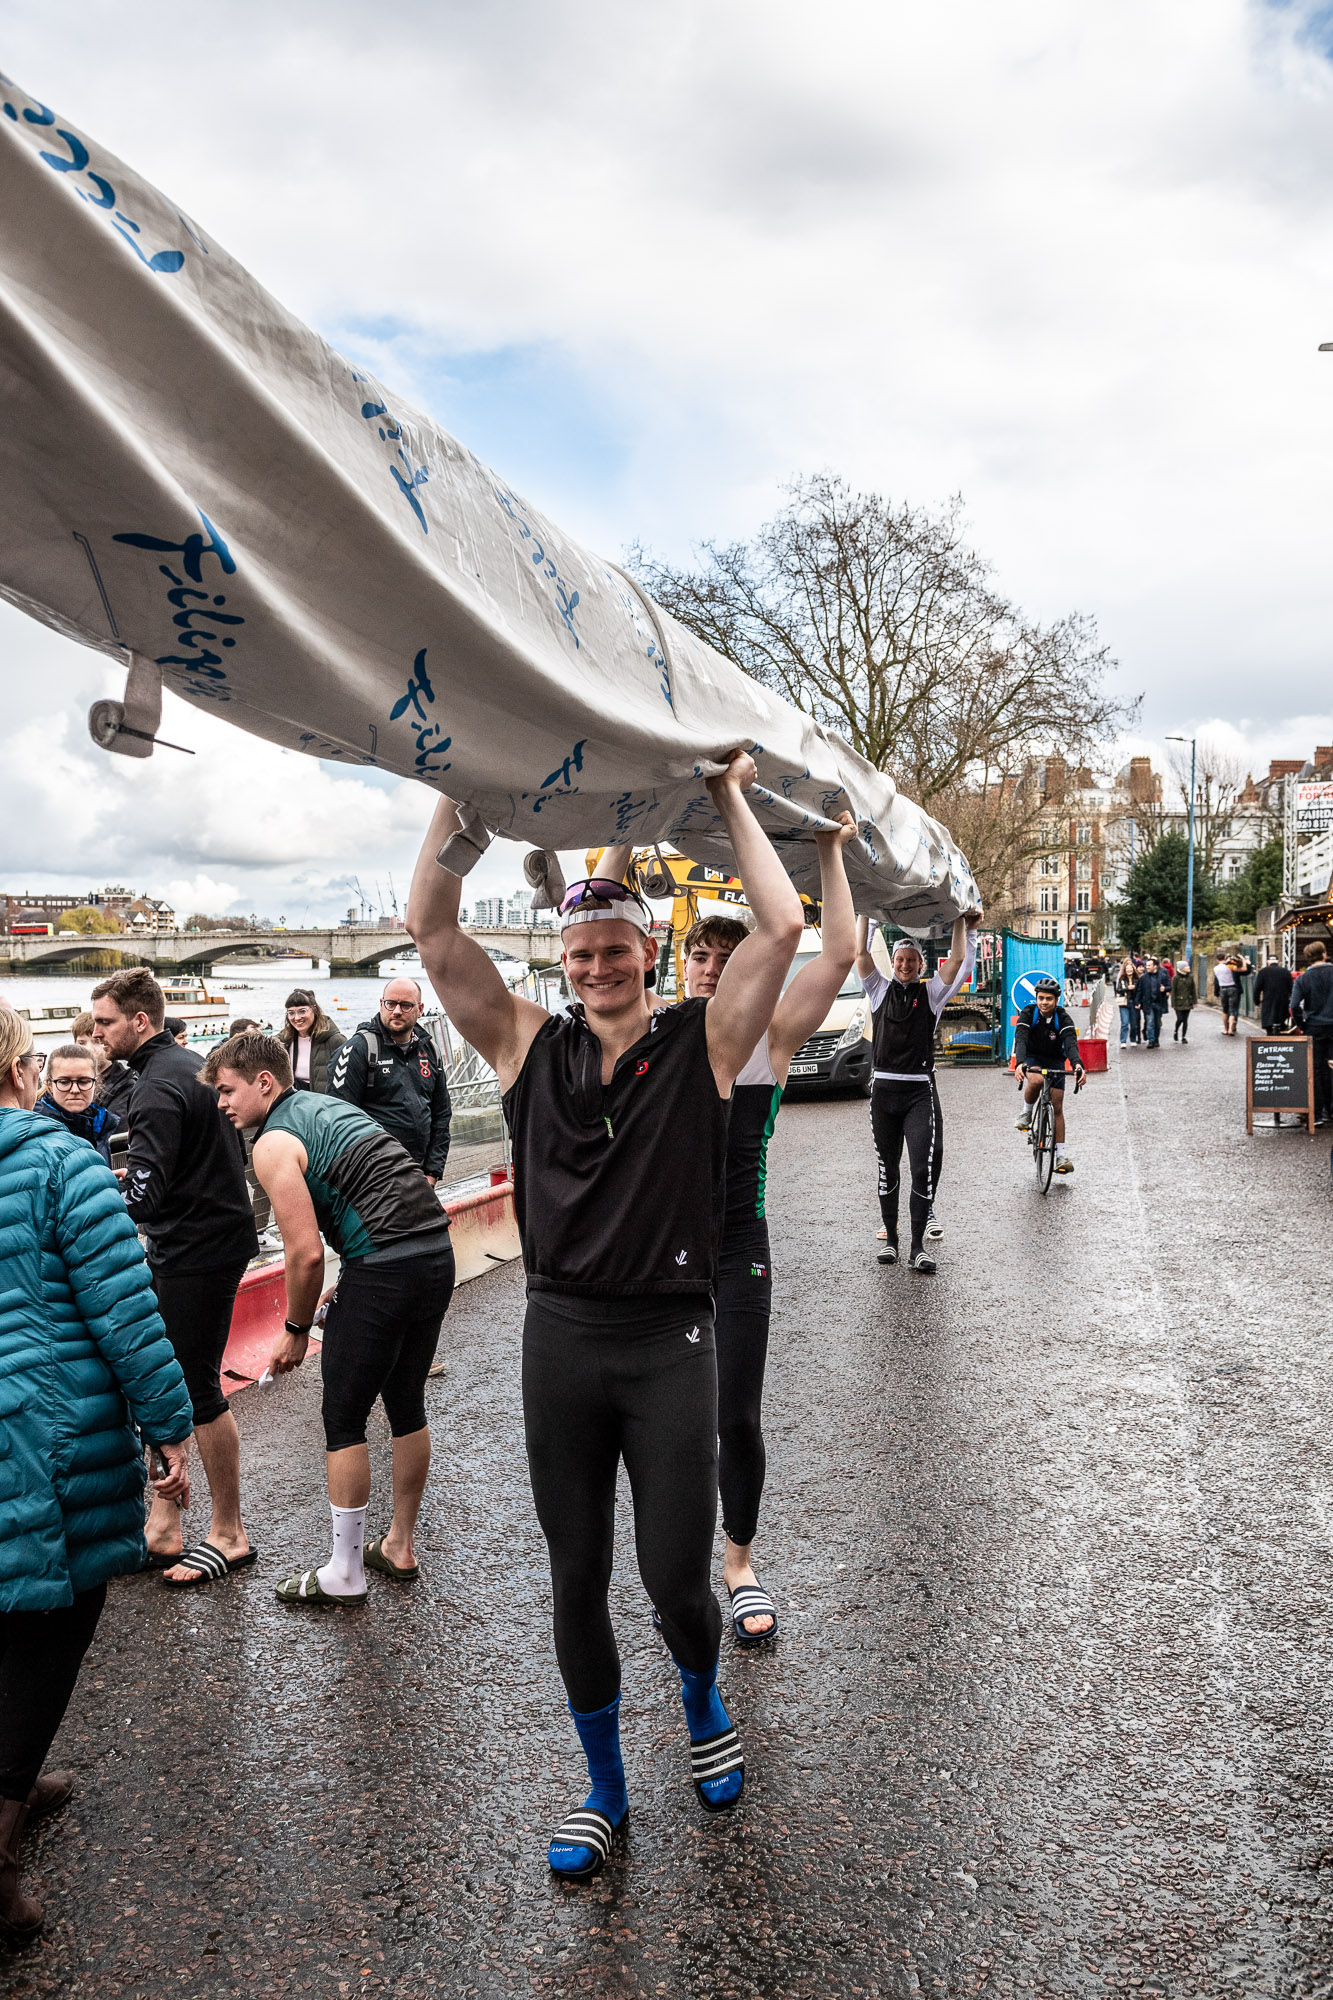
{"type": "Point", "coordinates": [1046, 1004]}
{"type": "Point", "coordinates": [908, 963]}
{"type": "Point", "coordinates": [605, 964]}
{"type": "Point", "coordinates": [302, 1019]}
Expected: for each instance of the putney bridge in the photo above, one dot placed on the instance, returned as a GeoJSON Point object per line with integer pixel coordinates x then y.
{"type": "Point", "coordinates": [345, 949]}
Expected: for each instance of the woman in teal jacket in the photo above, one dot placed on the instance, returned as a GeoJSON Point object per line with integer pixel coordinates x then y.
{"type": "Point", "coordinates": [83, 1359]}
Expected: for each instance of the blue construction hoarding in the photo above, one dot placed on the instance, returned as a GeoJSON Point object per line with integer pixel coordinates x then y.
{"type": "Point", "coordinates": [1025, 961]}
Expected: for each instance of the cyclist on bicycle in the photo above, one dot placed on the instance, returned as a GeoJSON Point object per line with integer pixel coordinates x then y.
{"type": "Point", "coordinates": [1044, 1040]}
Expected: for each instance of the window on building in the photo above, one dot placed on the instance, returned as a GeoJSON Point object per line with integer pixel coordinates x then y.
{"type": "Point", "coordinates": [1084, 834]}
{"type": "Point", "coordinates": [1082, 935]}
{"type": "Point", "coordinates": [1085, 868]}
{"type": "Point", "coordinates": [1084, 901]}
{"type": "Point", "coordinates": [1050, 864]}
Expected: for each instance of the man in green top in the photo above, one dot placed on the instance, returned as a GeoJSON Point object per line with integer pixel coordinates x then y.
{"type": "Point", "coordinates": [326, 1166]}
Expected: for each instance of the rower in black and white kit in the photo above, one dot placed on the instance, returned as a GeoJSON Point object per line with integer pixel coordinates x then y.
{"type": "Point", "coordinates": [744, 1290]}
{"type": "Point", "coordinates": [904, 1099]}
{"type": "Point", "coordinates": [619, 1123]}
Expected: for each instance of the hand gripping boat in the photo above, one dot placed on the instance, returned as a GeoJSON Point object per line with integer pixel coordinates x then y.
{"type": "Point", "coordinates": [193, 482]}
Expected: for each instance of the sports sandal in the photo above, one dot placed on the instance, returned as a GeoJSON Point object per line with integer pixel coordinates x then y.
{"type": "Point", "coordinates": [888, 1255]}
{"type": "Point", "coordinates": [751, 1600]}
{"type": "Point", "coordinates": [715, 1759]}
{"type": "Point", "coordinates": [586, 1829]}
{"type": "Point", "coordinates": [306, 1588]}
{"type": "Point", "coordinates": [210, 1562]}
{"type": "Point", "coordinates": [375, 1558]}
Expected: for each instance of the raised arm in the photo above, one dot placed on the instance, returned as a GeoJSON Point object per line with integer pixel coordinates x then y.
{"type": "Point", "coordinates": [865, 964]}
{"type": "Point", "coordinates": [949, 970]}
{"type": "Point", "coordinates": [500, 1025]}
{"type": "Point", "coordinates": [751, 982]}
{"type": "Point", "coordinates": [817, 985]}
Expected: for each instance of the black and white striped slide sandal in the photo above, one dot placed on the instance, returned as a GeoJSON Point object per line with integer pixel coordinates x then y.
{"type": "Point", "coordinates": [586, 1832]}
{"type": "Point", "coordinates": [751, 1600]}
{"type": "Point", "coordinates": [211, 1564]}
{"type": "Point", "coordinates": [714, 1759]}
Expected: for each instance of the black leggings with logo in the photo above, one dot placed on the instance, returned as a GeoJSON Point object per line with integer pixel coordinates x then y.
{"type": "Point", "coordinates": [631, 1378]}
{"type": "Point", "coordinates": [744, 1304]}
{"type": "Point", "coordinates": [907, 1113]}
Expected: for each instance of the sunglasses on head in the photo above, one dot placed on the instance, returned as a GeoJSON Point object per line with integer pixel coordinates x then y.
{"type": "Point", "coordinates": [595, 890]}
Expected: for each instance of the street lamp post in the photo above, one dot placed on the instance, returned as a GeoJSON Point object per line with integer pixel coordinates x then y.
{"type": "Point", "coordinates": [1189, 882]}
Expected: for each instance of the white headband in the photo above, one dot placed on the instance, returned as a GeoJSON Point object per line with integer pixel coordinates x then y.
{"type": "Point", "coordinates": [628, 912]}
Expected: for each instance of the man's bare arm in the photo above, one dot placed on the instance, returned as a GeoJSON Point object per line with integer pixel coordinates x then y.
{"type": "Point", "coordinates": [865, 964]}
{"type": "Point", "coordinates": [500, 1025]}
{"type": "Point", "coordinates": [747, 992]}
{"type": "Point", "coordinates": [949, 970]}
{"type": "Point", "coordinates": [279, 1163]}
{"type": "Point", "coordinates": [817, 985]}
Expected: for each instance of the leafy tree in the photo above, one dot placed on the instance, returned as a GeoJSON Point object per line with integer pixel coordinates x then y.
{"type": "Point", "coordinates": [881, 622]}
{"type": "Point", "coordinates": [89, 922]}
{"type": "Point", "coordinates": [1155, 893]}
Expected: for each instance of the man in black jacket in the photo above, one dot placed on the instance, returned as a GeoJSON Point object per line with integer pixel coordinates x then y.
{"type": "Point", "coordinates": [1312, 1011]}
{"type": "Point", "coordinates": [391, 1069]}
{"type": "Point", "coordinates": [1272, 992]}
{"type": "Point", "coordinates": [1154, 991]}
{"type": "Point", "coordinates": [185, 1188]}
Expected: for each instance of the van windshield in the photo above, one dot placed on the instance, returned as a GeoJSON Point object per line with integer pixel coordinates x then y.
{"type": "Point", "coordinates": [849, 990]}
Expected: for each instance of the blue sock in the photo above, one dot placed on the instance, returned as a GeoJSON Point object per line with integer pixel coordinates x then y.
{"type": "Point", "coordinates": [706, 1717]}
{"type": "Point", "coordinates": [599, 1733]}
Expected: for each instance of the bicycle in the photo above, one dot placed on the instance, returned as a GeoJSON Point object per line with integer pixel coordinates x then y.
{"type": "Point", "coordinates": [1041, 1132]}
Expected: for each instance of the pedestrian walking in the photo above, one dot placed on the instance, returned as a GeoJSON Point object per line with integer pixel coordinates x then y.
{"type": "Point", "coordinates": [326, 1166]}
{"type": "Point", "coordinates": [1184, 999]}
{"type": "Point", "coordinates": [69, 1095]}
{"type": "Point", "coordinates": [185, 1188]}
{"type": "Point", "coordinates": [618, 1115]}
{"type": "Point", "coordinates": [1272, 994]}
{"type": "Point", "coordinates": [904, 1097]}
{"type": "Point", "coordinates": [1312, 1011]}
{"type": "Point", "coordinates": [391, 1068]}
{"type": "Point", "coordinates": [83, 1360]}
{"type": "Point", "coordinates": [1127, 995]}
{"type": "Point", "coordinates": [310, 1039]}
{"type": "Point", "coordinates": [1228, 988]}
{"type": "Point", "coordinates": [1154, 991]}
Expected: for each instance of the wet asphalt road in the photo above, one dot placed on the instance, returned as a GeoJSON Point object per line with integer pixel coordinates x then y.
{"type": "Point", "coordinates": [1052, 1536]}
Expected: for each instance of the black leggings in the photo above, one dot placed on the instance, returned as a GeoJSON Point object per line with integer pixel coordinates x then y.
{"type": "Point", "coordinates": [744, 1302]}
{"type": "Point", "coordinates": [196, 1308]}
{"type": "Point", "coordinates": [40, 1656]}
{"type": "Point", "coordinates": [911, 1112]}
{"type": "Point", "coordinates": [380, 1337]}
{"type": "Point", "coordinates": [631, 1378]}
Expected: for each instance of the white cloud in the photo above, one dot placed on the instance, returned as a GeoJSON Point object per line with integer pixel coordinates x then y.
{"type": "Point", "coordinates": [1074, 263]}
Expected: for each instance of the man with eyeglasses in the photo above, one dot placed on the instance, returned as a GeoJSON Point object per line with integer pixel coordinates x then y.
{"type": "Point", "coordinates": [69, 1095]}
{"type": "Point", "coordinates": [619, 1118]}
{"type": "Point", "coordinates": [391, 1069]}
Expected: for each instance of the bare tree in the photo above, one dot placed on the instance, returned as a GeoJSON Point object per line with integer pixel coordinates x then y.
{"type": "Point", "coordinates": [1219, 779]}
{"type": "Point", "coordinates": [882, 623]}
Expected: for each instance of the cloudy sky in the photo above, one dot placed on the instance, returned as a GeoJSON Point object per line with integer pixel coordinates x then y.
{"type": "Point", "coordinates": [1072, 263]}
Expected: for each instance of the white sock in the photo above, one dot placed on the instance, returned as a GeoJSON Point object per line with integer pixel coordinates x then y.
{"type": "Point", "coordinates": [1059, 1152]}
{"type": "Point", "coordinates": [344, 1574]}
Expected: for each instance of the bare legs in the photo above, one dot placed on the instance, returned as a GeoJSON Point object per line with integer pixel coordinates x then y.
{"type": "Point", "coordinates": [220, 1451]}
{"type": "Point", "coordinates": [349, 1486]}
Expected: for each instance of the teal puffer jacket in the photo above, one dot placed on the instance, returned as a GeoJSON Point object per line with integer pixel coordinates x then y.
{"type": "Point", "coordinates": [82, 1351]}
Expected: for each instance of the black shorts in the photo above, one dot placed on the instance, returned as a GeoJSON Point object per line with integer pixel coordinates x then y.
{"type": "Point", "coordinates": [380, 1336]}
{"type": "Point", "coordinates": [196, 1310]}
{"type": "Point", "coordinates": [1060, 1079]}
{"type": "Point", "coordinates": [1230, 998]}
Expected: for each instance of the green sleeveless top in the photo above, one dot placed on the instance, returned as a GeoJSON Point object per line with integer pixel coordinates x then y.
{"type": "Point", "coordinates": [367, 1190]}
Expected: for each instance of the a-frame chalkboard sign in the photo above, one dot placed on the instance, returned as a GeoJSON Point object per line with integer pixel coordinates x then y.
{"type": "Point", "coordinates": [1279, 1076]}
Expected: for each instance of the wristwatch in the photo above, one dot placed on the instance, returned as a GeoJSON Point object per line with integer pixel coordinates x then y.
{"type": "Point", "coordinates": [290, 1326]}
